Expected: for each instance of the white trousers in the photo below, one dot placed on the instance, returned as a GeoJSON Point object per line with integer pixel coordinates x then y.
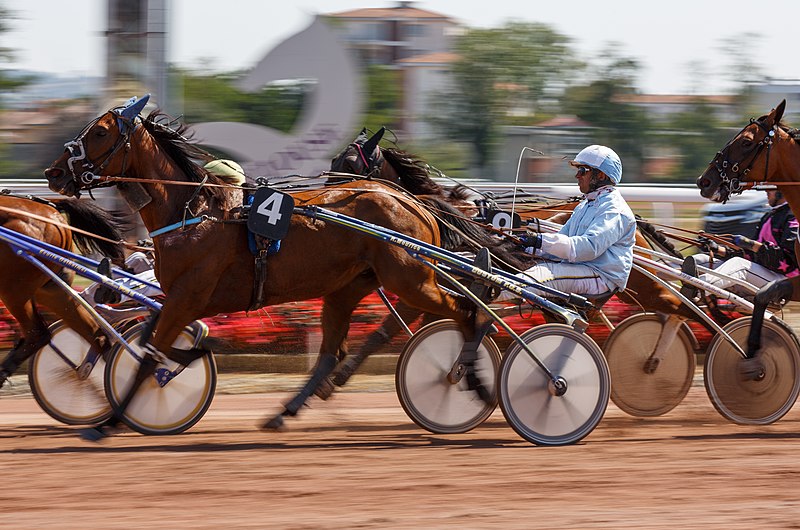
{"type": "Point", "coordinates": [737, 269]}
{"type": "Point", "coordinates": [574, 278]}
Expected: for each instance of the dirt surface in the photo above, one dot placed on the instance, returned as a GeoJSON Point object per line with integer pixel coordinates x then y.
{"type": "Point", "coordinates": [358, 462]}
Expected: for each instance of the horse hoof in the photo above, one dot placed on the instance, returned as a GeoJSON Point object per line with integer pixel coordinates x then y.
{"type": "Point", "coordinates": [484, 394]}
{"type": "Point", "coordinates": [340, 378]}
{"type": "Point", "coordinates": [474, 383]}
{"type": "Point", "coordinates": [93, 434]}
{"type": "Point", "coordinates": [275, 424]}
{"type": "Point", "coordinates": [324, 389]}
{"type": "Point", "coordinates": [347, 370]}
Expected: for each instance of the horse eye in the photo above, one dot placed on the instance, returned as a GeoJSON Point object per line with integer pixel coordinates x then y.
{"type": "Point", "coordinates": [101, 132]}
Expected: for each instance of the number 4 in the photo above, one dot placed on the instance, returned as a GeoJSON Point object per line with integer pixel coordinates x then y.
{"type": "Point", "coordinates": [271, 208]}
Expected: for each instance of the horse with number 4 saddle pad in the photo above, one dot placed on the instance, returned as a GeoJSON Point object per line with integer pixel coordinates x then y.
{"type": "Point", "coordinates": [203, 262]}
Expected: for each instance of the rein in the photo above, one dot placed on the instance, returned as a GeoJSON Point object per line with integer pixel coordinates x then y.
{"type": "Point", "coordinates": [170, 182]}
{"type": "Point", "coordinates": [717, 238]}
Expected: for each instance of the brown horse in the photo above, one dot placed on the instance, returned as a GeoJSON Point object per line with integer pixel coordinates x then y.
{"type": "Point", "coordinates": [206, 268]}
{"type": "Point", "coordinates": [22, 285]}
{"type": "Point", "coordinates": [766, 151]}
{"type": "Point", "coordinates": [364, 156]}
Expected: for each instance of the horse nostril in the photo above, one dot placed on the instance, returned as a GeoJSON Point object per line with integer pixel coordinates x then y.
{"type": "Point", "coordinates": [52, 172]}
{"type": "Point", "coordinates": [704, 183]}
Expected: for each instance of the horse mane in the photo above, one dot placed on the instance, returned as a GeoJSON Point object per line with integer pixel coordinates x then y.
{"type": "Point", "coordinates": [179, 146]}
{"type": "Point", "coordinates": [87, 216]}
{"type": "Point", "coordinates": [791, 131]}
{"type": "Point", "coordinates": [457, 231]}
{"type": "Point", "coordinates": [657, 237]}
{"type": "Point", "coordinates": [412, 171]}
{"type": "Point", "coordinates": [460, 192]}
{"type": "Point", "coordinates": [460, 233]}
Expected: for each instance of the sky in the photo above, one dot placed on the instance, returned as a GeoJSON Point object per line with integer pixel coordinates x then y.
{"type": "Point", "coordinates": [672, 40]}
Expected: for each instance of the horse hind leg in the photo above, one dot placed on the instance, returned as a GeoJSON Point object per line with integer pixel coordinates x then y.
{"type": "Point", "coordinates": [337, 309]}
{"type": "Point", "coordinates": [388, 329]}
{"type": "Point", "coordinates": [34, 335]}
{"type": "Point", "coordinates": [752, 367]}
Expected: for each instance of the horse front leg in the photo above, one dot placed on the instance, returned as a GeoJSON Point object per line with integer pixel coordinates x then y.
{"type": "Point", "coordinates": [175, 315]}
{"type": "Point", "coordinates": [752, 367]}
{"type": "Point", "coordinates": [79, 320]}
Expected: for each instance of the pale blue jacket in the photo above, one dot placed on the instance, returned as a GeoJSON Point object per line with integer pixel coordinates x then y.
{"type": "Point", "coordinates": [600, 234]}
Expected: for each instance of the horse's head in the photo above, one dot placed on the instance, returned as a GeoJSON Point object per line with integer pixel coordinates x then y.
{"type": "Point", "coordinates": [99, 149]}
{"type": "Point", "coordinates": [362, 156]}
{"type": "Point", "coordinates": [745, 159]}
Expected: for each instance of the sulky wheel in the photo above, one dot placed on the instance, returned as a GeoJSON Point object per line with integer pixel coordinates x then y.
{"type": "Point", "coordinates": [759, 400]}
{"type": "Point", "coordinates": [652, 361]}
{"type": "Point", "coordinates": [424, 390]}
{"type": "Point", "coordinates": [530, 401]}
{"type": "Point", "coordinates": [155, 409]}
{"type": "Point", "coordinates": [56, 386]}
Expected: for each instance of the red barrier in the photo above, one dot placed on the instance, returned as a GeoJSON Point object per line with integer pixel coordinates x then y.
{"type": "Point", "coordinates": [294, 327]}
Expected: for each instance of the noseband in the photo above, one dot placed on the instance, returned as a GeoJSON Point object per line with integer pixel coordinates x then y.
{"type": "Point", "coordinates": [84, 175]}
{"type": "Point", "coordinates": [736, 182]}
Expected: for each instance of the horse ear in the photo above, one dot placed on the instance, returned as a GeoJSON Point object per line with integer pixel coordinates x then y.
{"type": "Point", "coordinates": [372, 143]}
{"type": "Point", "coordinates": [777, 112]}
{"type": "Point", "coordinates": [134, 107]}
{"type": "Point", "coordinates": [361, 139]}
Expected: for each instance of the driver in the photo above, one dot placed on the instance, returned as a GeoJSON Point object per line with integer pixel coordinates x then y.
{"type": "Point", "coordinates": [770, 257]}
{"type": "Point", "coordinates": [592, 254]}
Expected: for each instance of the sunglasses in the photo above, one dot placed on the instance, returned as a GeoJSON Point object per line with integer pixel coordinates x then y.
{"type": "Point", "coordinates": [582, 170]}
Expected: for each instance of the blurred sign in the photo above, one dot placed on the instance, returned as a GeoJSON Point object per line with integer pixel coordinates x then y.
{"type": "Point", "coordinates": [326, 122]}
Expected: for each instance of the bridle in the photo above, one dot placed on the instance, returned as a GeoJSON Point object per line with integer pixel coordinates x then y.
{"type": "Point", "coordinates": [735, 181]}
{"type": "Point", "coordinates": [373, 164]}
{"type": "Point", "coordinates": [88, 172]}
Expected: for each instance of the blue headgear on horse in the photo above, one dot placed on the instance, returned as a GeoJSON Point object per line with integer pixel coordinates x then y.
{"type": "Point", "coordinates": [128, 112]}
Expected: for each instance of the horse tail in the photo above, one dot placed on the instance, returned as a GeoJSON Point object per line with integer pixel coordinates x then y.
{"type": "Point", "coordinates": [458, 233]}
{"type": "Point", "coordinates": [87, 216]}
{"type": "Point", "coordinates": [654, 235]}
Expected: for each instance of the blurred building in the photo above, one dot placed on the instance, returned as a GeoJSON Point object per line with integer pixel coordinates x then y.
{"type": "Point", "coordinates": [661, 108]}
{"type": "Point", "coordinates": [136, 51]}
{"type": "Point", "coordinates": [562, 137]}
{"type": "Point", "coordinates": [554, 141]}
{"type": "Point", "coordinates": [768, 95]}
{"type": "Point", "coordinates": [33, 136]}
{"type": "Point", "coordinates": [416, 42]}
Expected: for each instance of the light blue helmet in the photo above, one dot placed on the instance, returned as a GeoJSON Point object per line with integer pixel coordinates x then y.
{"type": "Point", "coordinates": [602, 158]}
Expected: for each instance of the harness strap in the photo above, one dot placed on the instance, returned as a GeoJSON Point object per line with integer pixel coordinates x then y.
{"type": "Point", "coordinates": [257, 298]}
{"type": "Point", "coordinates": [175, 226]}
{"type": "Point", "coordinates": [8, 193]}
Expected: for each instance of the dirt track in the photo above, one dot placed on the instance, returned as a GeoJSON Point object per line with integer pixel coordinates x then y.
{"type": "Point", "coordinates": [358, 462]}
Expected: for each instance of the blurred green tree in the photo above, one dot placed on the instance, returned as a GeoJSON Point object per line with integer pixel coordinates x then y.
{"type": "Point", "coordinates": [695, 135]}
{"type": "Point", "coordinates": [603, 101]}
{"type": "Point", "coordinates": [384, 91]}
{"type": "Point", "coordinates": [8, 166]}
{"type": "Point", "coordinates": [215, 97]}
{"type": "Point", "coordinates": [8, 82]}
{"type": "Point", "coordinates": [503, 75]}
